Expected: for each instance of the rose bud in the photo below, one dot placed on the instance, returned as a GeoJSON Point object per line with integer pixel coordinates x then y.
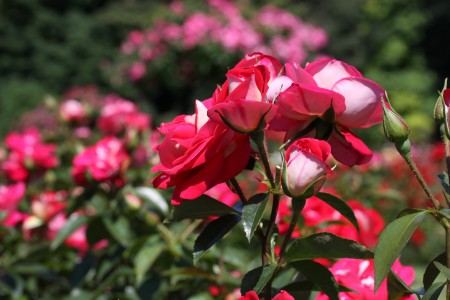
{"type": "Point", "coordinates": [305, 166]}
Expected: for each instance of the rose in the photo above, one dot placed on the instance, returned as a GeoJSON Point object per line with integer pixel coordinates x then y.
{"type": "Point", "coordinates": [46, 205]}
{"type": "Point", "coordinates": [358, 275]}
{"type": "Point", "coordinates": [305, 165]}
{"type": "Point", "coordinates": [106, 161]}
{"type": "Point", "coordinates": [241, 102]}
{"type": "Point", "coordinates": [72, 111]}
{"type": "Point", "coordinates": [197, 154]}
{"type": "Point", "coordinates": [307, 94]}
{"type": "Point", "coordinates": [27, 152]}
{"type": "Point", "coordinates": [10, 196]}
{"type": "Point", "coordinates": [252, 295]}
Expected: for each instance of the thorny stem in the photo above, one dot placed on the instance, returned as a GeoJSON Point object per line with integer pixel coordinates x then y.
{"type": "Point", "coordinates": [288, 234]}
{"type": "Point", "coordinates": [260, 142]}
{"type": "Point", "coordinates": [238, 189]}
{"type": "Point", "coordinates": [412, 165]}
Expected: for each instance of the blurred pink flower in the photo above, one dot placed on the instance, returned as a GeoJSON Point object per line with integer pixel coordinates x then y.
{"type": "Point", "coordinates": [358, 275]}
{"type": "Point", "coordinates": [106, 161]}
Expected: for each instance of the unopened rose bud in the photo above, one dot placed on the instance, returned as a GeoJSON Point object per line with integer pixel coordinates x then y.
{"type": "Point", "coordinates": [395, 128]}
{"type": "Point", "coordinates": [305, 166]}
{"type": "Point", "coordinates": [439, 111]}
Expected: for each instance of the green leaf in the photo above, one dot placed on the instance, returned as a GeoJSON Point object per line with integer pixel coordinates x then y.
{"type": "Point", "coordinates": [252, 213]}
{"type": "Point", "coordinates": [397, 288]}
{"type": "Point", "coordinates": [256, 279]}
{"type": "Point", "coordinates": [445, 212]}
{"type": "Point", "coordinates": [202, 207]}
{"type": "Point", "coordinates": [443, 179]}
{"type": "Point", "coordinates": [391, 242]}
{"type": "Point", "coordinates": [145, 258]}
{"type": "Point", "coordinates": [341, 206]}
{"type": "Point", "coordinates": [119, 230]}
{"type": "Point", "coordinates": [325, 245]}
{"type": "Point", "coordinates": [81, 269]}
{"type": "Point", "coordinates": [431, 272]}
{"type": "Point", "coordinates": [73, 223]}
{"type": "Point", "coordinates": [319, 275]}
{"type": "Point", "coordinates": [443, 269]}
{"type": "Point", "coordinates": [213, 233]}
{"type": "Point", "coordinates": [96, 231]}
{"type": "Point", "coordinates": [434, 291]}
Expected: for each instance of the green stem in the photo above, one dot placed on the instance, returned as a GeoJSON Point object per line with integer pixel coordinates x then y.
{"type": "Point", "coordinates": [260, 141]}
{"type": "Point", "coordinates": [266, 243]}
{"type": "Point", "coordinates": [419, 177]}
{"type": "Point", "coordinates": [447, 249]}
{"type": "Point", "coordinates": [297, 206]}
{"type": "Point", "coordinates": [237, 189]}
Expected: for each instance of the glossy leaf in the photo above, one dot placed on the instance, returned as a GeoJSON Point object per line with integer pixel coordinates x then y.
{"type": "Point", "coordinates": [397, 288]}
{"type": "Point", "coordinates": [213, 233]}
{"type": "Point", "coordinates": [391, 242]}
{"type": "Point", "coordinates": [200, 208]}
{"type": "Point", "coordinates": [341, 206]}
{"type": "Point", "coordinates": [443, 269]}
{"type": "Point", "coordinates": [432, 272]}
{"type": "Point", "coordinates": [120, 230]}
{"type": "Point", "coordinates": [443, 179]}
{"type": "Point", "coordinates": [72, 224]}
{"type": "Point", "coordinates": [145, 258]}
{"type": "Point", "coordinates": [434, 291]}
{"type": "Point", "coordinates": [319, 275]}
{"type": "Point", "coordinates": [81, 270]}
{"type": "Point", "coordinates": [256, 279]}
{"type": "Point", "coordinates": [252, 213]}
{"type": "Point", "coordinates": [325, 245]}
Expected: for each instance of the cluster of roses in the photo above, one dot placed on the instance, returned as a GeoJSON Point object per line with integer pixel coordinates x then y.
{"type": "Point", "coordinates": [271, 30]}
{"type": "Point", "coordinates": [311, 112]}
{"type": "Point", "coordinates": [29, 165]}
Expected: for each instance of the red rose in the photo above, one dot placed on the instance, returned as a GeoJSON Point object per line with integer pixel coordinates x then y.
{"type": "Point", "coordinates": [197, 154]}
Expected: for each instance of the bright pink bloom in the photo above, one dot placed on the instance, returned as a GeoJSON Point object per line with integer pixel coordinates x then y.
{"type": "Point", "coordinates": [305, 164]}
{"type": "Point", "coordinates": [197, 154]}
{"type": "Point", "coordinates": [358, 275]}
{"type": "Point", "coordinates": [106, 161]}
{"type": "Point", "coordinates": [252, 295]}
{"type": "Point", "coordinates": [118, 115]}
{"type": "Point", "coordinates": [241, 102]}
{"type": "Point", "coordinates": [137, 71]}
{"type": "Point", "coordinates": [307, 94]}
{"type": "Point", "coordinates": [27, 152]}
{"type": "Point", "coordinates": [223, 193]}
{"type": "Point", "coordinates": [75, 240]}
{"type": "Point", "coordinates": [46, 205]}
{"type": "Point", "coordinates": [72, 111]}
{"type": "Point", "coordinates": [10, 196]}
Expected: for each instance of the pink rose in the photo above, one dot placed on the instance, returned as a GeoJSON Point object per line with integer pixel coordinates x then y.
{"type": "Point", "coordinates": [241, 102]}
{"type": "Point", "coordinates": [75, 240]}
{"type": "Point", "coordinates": [72, 111]}
{"type": "Point", "coordinates": [304, 95]}
{"type": "Point", "coordinates": [106, 161]}
{"type": "Point", "coordinates": [305, 164]}
{"type": "Point", "coordinates": [252, 295]}
{"type": "Point", "coordinates": [10, 196]}
{"type": "Point", "coordinates": [27, 152]}
{"type": "Point", "coordinates": [197, 154]}
{"type": "Point", "coordinates": [46, 205]}
{"type": "Point", "coordinates": [118, 115]}
{"type": "Point", "coordinates": [358, 275]}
